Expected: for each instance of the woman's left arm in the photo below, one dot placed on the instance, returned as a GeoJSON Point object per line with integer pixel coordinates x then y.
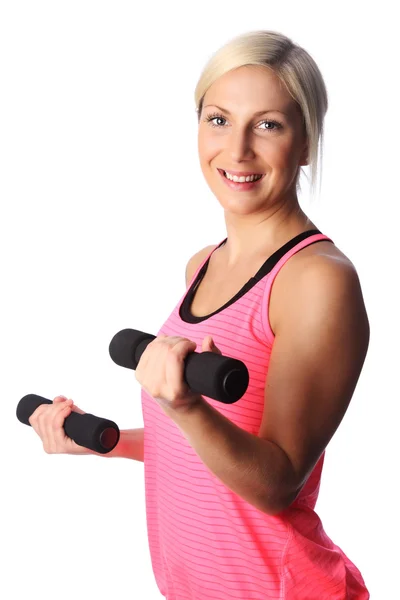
{"type": "Point", "coordinates": [321, 340]}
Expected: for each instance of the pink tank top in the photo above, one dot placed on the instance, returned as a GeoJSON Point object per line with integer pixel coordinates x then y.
{"type": "Point", "coordinates": [206, 542]}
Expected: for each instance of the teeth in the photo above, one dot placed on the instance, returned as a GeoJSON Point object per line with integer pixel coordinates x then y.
{"type": "Point", "coordinates": [242, 179]}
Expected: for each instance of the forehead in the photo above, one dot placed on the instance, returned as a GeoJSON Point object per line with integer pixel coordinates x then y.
{"type": "Point", "coordinates": [250, 88]}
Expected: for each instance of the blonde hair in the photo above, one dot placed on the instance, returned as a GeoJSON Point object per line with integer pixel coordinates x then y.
{"type": "Point", "coordinates": [295, 68]}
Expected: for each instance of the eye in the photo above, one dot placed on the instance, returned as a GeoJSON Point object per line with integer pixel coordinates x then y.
{"type": "Point", "coordinates": [217, 120]}
{"type": "Point", "coordinates": [275, 123]}
{"type": "Point", "coordinates": [213, 117]}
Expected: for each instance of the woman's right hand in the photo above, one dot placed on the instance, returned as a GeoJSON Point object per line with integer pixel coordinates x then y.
{"type": "Point", "coordinates": [48, 420]}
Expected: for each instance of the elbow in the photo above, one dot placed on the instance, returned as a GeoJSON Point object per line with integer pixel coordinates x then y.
{"type": "Point", "coordinates": [275, 509]}
{"type": "Point", "coordinates": [278, 483]}
{"type": "Point", "coordinates": [277, 501]}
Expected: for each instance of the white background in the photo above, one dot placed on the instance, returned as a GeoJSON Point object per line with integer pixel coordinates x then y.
{"type": "Point", "coordinates": [103, 203]}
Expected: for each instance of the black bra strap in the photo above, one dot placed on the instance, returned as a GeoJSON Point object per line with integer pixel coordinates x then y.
{"type": "Point", "coordinates": [276, 256]}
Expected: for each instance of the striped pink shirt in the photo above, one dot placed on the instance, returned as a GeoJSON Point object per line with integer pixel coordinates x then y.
{"type": "Point", "coordinates": [206, 542]}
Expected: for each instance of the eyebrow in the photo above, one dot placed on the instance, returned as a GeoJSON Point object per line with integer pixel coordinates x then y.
{"type": "Point", "coordinates": [261, 112]}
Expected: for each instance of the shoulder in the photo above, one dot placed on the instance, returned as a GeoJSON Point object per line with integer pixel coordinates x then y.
{"type": "Point", "coordinates": [196, 260]}
{"type": "Point", "coordinates": [318, 280]}
{"type": "Point", "coordinates": [321, 340]}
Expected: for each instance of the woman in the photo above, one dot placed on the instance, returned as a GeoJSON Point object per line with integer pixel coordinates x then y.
{"type": "Point", "coordinates": [231, 489]}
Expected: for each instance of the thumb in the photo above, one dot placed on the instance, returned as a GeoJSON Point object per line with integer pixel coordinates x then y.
{"type": "Point", "coordinates": [76, 409]}
{"type": "Point", "coordinates": [209, 346]}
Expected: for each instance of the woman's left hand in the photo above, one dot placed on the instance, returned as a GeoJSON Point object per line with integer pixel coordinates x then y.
{"type": "Point", "coordinates": [161, 367]}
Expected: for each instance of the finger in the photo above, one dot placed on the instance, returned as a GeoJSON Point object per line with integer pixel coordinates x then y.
{"type": "Point", "coordinates": [145, 357]}
{"type": "Point", "coordinates": [174, 368]}
{"type": "Point", "coordinates": [59, 399]}
{"type": "Point", "coordinates": [43, 408]}
{"type": "Point", "coordinates": [36, 418]}
{"type": "Point", "coordinates": [59, 436]}
{"type": "Point", "coordinates": [50, 425]}
{"type": "Point", "coordinates": [206, 342]}
{"type": "Point", "coordinates": [183, 346]}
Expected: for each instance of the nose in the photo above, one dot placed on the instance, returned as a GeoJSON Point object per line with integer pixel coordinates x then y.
{"type": "Point", "coordinates": [240, 145]}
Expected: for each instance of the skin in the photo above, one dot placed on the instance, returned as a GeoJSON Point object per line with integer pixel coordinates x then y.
{"type": "Point", "coordinates": [268, 216]}
{"type": "Point", "coordinates": [316, 312]}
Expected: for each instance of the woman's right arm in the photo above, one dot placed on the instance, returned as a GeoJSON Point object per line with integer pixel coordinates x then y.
{"type": "Point", "coordinates": [48, 422]}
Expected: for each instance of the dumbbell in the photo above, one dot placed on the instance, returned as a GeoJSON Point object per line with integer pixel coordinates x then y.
{"type": "Point", "coordinates": [219, 377]}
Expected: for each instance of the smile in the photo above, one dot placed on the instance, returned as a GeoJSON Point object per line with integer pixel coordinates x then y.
{"type": "Point", "coordinates": [240, 183]}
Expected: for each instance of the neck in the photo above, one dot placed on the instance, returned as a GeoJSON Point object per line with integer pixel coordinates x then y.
{"type": "Point", "coordinates": [250, 236]}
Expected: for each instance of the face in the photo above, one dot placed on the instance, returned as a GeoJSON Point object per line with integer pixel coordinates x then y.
{"type": "Point", "coordinates": [250, 124]}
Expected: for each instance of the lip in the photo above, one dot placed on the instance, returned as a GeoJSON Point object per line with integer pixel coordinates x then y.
{"type": "Point", "coordinates": [237, 186]}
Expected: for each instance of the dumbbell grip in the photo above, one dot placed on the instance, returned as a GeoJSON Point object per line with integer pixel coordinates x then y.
{"type": "Point", "coordinates": [95, 433]}
{"type": "Point", "coordinates": [213, 375]}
